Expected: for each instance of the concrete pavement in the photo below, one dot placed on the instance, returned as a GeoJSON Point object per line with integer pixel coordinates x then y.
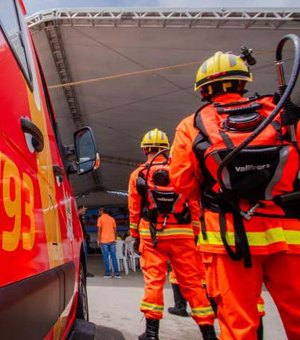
{"type": "Point", "coordinates": [115, 303]}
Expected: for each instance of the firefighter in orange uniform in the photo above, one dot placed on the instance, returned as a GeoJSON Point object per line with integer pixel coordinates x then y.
{"type": "Point", "coordinates": [161, 220]}
{"type": "Point", "coordinates": [250, 232]}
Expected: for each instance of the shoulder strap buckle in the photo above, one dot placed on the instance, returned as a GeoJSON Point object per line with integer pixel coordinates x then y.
{"type": "Point", "coordinates": [249, 214]}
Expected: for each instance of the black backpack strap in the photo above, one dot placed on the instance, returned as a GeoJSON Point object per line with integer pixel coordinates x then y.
{"type": "Point", "coordinates": [241, 239]}
{"type": "Point", "coordinates": [227, 140]}
{"type": "Point", "coordinates": [235, 255]}
{"type": "Point", "coordinates": [203, 224]}
{"type": "Point", "coordinates": [140, 183]}
{"type": "Point", "coordinates": [145, 213]}
{"type": "Point", "coordinates": [198, 122]}
{"type": "Point", "coordinates": [153, 222]}
{"type": "Point", "coordinates": [141, 189]}
{"type": "Point", "coordinates": [202, 141]}
{"type": "Point", "coordinates": [200, 145]}
{"type": "Point", "coordinates": [277, 127]}
{"type": "Point", "coordinates": [242, 250]}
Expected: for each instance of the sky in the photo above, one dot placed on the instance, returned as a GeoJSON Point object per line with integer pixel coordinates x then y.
{"type": "Point", "coordinates": [33, 6]}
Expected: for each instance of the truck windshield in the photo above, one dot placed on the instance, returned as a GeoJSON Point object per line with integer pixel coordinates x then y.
{"type": "Point", "coordinates": [9, 21]}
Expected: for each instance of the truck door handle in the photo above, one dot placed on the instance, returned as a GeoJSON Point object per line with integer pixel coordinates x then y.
{"type": "Point", "coordinates": [37, 137]}
{"type": "Point", "coordinates": [58, 172]}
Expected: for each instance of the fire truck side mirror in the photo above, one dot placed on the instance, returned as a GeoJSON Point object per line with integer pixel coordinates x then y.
{"type": "Point", "coordinates": [87, 157]}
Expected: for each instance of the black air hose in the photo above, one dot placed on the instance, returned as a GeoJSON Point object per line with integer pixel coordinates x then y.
{"type": "Point", "coordinates": [285, 97]}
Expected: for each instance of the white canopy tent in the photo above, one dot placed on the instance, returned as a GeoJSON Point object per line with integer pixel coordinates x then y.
{"type": "Point", "coordinates": [126, 71]}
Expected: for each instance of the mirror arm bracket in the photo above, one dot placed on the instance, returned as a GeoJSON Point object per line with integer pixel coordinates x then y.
{"type": "Point", "coordinates": [70, 157]}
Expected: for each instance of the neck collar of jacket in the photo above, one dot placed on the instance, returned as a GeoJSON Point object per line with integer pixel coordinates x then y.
{"type": "Point", "coordinates": [228, 97]}
{"type": "Point", "coordinates": [158, 159]}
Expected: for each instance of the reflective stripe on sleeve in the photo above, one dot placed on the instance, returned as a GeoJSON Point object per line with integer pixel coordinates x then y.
{"type": "Point", "coordinates": [151, 306]}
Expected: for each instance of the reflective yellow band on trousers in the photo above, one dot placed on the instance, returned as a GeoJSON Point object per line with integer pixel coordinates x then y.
{"type": "Point", "coordinates": [260, 307]}
{"type": "Point", "coordinates": [151, 306]}
{"type": "Point", "coordinates": [202, 311]}
{"type": "Point", "coordinates": [133, 225]}
{"type": "Point", "coordinates": [173, 280]}
{"type": "Point", "coordinates": [264, 238]}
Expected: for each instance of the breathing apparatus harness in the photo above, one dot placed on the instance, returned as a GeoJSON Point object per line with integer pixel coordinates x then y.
{"type": "Point", "coordinates": [243, 117]}
{"type": "Point", "coordinates": [159, 198]}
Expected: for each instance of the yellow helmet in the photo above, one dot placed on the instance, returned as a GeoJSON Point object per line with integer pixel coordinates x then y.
{"type": "Point", "coordinates": [155, 139]}
{"type": "Point", "coordinates": [222, 66]}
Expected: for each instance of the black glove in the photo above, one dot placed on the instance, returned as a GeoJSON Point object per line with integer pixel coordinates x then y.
{"type": "Point", "coordinates": [136, 245]}
{"type": "Point", "coordinates": [196, 239]}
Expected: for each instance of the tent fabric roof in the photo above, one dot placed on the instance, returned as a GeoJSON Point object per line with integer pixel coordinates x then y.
{"type": "Point", "coordinates": [191, 18]}
{"type": "Point", "coordinates": [124, 72]}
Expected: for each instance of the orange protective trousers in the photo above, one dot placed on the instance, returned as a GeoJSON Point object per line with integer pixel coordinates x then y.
{"type": "Point", "coordinates": [183, 258]}
{"type": "Point", "coordinates": [237, 289]}
{"type": "Point", "coordinates": [201, 268]}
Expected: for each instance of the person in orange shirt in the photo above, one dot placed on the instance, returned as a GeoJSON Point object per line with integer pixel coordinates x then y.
{"type": "Point", "coordinates": [161, 220]}
{"type": "Point", "coordinates": [250, 233]}
{"type": "Point", "coordinates": [107, 235]}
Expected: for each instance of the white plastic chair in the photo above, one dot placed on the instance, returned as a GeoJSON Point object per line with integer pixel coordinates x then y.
{"type": "Point", "coordinates": [133, 256]}
{"type": "Point", "coordinates": [121, 250]}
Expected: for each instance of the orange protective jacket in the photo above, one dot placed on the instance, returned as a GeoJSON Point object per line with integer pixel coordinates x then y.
{"type": "Point", "coordinates": [265, 235]}
{"type": "Point", "coordinates": [140, 228]}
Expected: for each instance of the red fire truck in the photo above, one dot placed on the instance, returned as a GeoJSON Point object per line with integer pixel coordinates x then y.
{"type": "Point", "coordinates": [42, 262]}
